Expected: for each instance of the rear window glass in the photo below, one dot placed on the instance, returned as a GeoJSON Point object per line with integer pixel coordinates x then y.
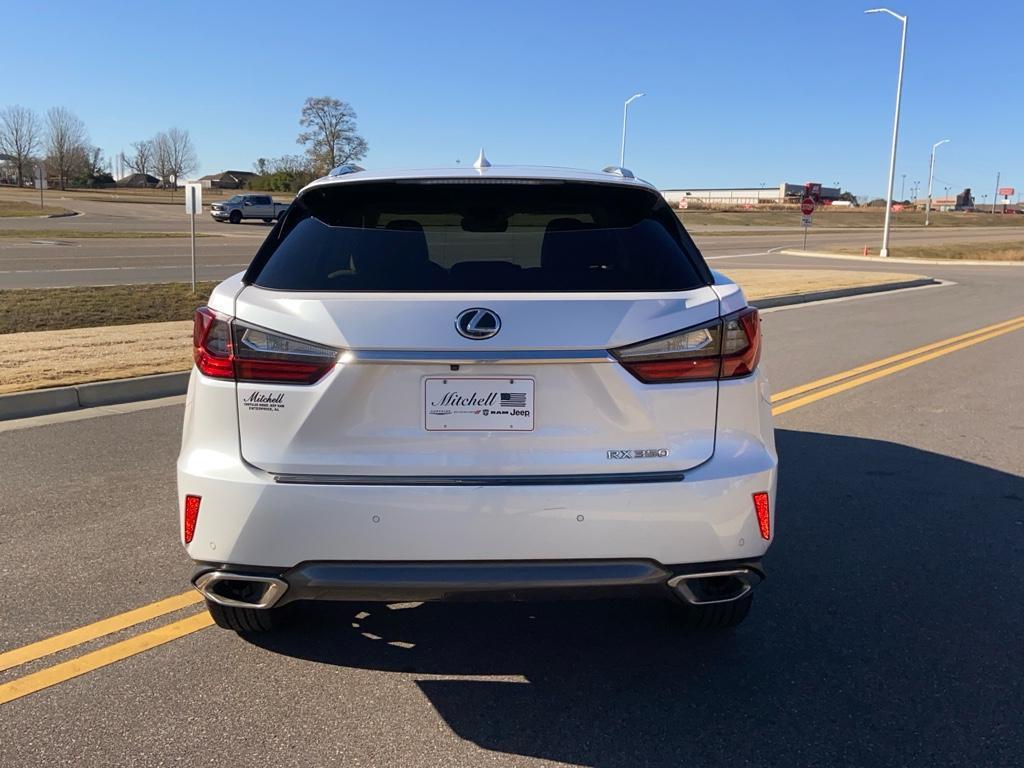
{"type": "Point", "coordinates": [441, 235]}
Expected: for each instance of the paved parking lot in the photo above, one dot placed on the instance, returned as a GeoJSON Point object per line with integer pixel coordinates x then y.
{"type": "Point", "coordinates": [889, 631]}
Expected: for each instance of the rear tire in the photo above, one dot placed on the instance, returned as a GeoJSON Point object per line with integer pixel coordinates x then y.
{"type": "Point", "coordinates": [235, 217]}
{"type": "Point", "coordinates": [244, 620]}
{"type": "Point", "coordinates": [715, 615]}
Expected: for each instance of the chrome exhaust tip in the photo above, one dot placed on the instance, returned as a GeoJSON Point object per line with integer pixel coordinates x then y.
{"type": "Point", "coordinates": [236, 590]}
{"type": "Point", "coordinates": [715, 586]}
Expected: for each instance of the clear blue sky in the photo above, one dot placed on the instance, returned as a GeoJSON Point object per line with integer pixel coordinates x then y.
{"type": "Point", "coordinates": [737, 93]}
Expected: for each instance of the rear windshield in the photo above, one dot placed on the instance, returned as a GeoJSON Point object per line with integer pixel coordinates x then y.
{"type": "Point", "coordinates": [441, 235]}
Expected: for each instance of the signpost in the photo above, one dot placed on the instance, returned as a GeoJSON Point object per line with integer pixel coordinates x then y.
{"type": "Point", "coordinates": [40, 182]}
{"type": "Point", "coordinates": [806, 214]}
{"type": "Point", "coordinates": [193, 205]}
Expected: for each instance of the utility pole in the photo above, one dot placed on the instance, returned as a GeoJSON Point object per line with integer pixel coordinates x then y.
{"type": "Point", "coordinates": [903, 188]}
{"type": "Point", "coordinates": [996, 195]}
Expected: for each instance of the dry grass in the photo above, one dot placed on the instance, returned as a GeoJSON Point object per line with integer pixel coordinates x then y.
{"type": "Point", "coordinates": [48, 358]}
{"type": "Point", "coordinates": [1004, 251]}
{"type": "Point", "coordinates": [27, 207]}
{"type": "Point", "coordinates": [760, 284]}
{"type": "Point", "coordinates": [55, 358]}
{"type": "Point", "coordinates": [845, 218]}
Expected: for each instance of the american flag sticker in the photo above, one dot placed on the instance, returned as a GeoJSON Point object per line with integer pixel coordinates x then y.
{"type": "Point", "coordinates": [513, 399]}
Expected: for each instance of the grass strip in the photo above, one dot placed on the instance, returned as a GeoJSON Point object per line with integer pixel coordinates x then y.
{"type": "Point", "coordinates": [1002, 251]}
{"type": "Point", "coordinates": [51, 309]}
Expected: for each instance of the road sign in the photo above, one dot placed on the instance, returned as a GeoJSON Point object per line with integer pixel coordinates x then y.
{"type": "Point", "coordinates": [41, 178]}
{"type": "Point", "coordinates": [805, 221]}
{"type": "Point", "coordinates": [807, 206]}
{"type": "Point", "coordinates": [193, 197]}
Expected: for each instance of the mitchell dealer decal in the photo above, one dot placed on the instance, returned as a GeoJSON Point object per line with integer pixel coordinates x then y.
{"type": "Point", "coordinates": [264, 401]}
{"type": "Point", "coordinates": [491, 404]}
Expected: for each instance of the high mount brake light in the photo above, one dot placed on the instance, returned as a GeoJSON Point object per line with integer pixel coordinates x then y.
{"type": "Point", "coordinates": [227, 348]}
{"type": "Point", "coordinates": [726, 348]}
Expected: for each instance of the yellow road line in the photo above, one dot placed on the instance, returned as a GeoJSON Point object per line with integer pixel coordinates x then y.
{"type": "Point", "coordinates": [873, 376]}
{"type": "Point", "coordinates": [100, 628]}
{"type": "Point", "coordinates": [888, 360]}
{"type": "Point", "coordinates": [103, 657]}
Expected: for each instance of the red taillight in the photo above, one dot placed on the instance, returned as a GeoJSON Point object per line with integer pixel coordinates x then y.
{"type": "Point", "coordinates": [726, 348]}
{"type": "Point", "coordinates": [226, 348]}
{"type": "Point", "coordinates": [764, 518]}
{"type": "Point", "coordinates": [191, 516]}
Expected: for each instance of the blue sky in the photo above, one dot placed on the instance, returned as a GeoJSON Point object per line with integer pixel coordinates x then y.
{"type": "Point", "coordinates": [737, 93]}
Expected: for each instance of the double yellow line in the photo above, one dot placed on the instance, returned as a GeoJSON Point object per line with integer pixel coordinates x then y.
{"type": "Point", "coordinates": [783, 402]}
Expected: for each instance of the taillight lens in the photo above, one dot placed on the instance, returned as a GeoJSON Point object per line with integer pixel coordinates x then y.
{"type": "Point", "coordinates": [227, 348]}
{"type": "Point", "coordinates": [191, 516]}
{"type": "Point", "coordinates": [725, 348]}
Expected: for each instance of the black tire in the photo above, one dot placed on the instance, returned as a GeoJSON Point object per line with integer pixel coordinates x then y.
{"type": "Point", "coordinates": [235, 217]}
{"type": "Point", "coordinates": [715, 615]}
{"type": "Point", "coordinates": [267, 221]}
{"type": "Point", "coordinates": [244, 620]}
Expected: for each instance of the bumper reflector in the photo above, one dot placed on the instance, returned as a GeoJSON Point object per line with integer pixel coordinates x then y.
{"type": "Point", "coordinates": [764, 520]}
{"type": "Point", "coordinates": [191, 516]}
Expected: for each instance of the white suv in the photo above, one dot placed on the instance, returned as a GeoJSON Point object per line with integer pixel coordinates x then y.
{"type": "Point", "coordinates": [477, 383]}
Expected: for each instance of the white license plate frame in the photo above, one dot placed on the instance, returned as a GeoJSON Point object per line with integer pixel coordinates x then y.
{"type": "Point", "coordinates": [479, 403]}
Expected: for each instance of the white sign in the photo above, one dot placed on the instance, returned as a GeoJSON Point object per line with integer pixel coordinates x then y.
{"type": "Point", "coordinates": [492, 404]}
{"type": "Point", "coordinates": [41, 179]}
{"type": "Point", "coordinates": [193, 197]}
{"type": "Point", "coordinates": [806, 220]}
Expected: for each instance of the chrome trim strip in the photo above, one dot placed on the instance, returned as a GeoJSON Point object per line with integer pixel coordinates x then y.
{"type": "Point", "coordinates": [608, 478]}
{"type": "Point", "coordinates": [205, 582]}
{"type": "Point", "coordinates": [467, 357]}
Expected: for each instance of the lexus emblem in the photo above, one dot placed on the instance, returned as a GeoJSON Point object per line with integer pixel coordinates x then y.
{"type": "Point", "coordinates": [477, 323]}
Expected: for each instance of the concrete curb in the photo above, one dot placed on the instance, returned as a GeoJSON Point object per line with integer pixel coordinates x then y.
{"type": "Point", "coordinates": [38, 402]}
{"type": "Point", "coordinates": [841, 293]}
{"type": "Point", "coordinates": [62, 215]}
{"type": "Point", "coordinates": [897, 260]}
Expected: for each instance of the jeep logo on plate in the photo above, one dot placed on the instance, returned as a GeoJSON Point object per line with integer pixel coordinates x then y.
{"type": "Point", "coordinates": [477, 323]}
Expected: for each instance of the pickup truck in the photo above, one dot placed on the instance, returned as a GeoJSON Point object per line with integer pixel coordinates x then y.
{"type": "Point", "coordinates": [239, 207]}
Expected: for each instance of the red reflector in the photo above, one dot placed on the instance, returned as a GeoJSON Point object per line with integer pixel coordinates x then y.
{"type": "Point", "coordinates": [764, 520]}
{"type": "Point", "coordinates": [191, 516]}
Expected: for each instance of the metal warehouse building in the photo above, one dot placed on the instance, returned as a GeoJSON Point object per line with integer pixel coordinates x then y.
{"type": "Point", "coordinates": [783, 193]}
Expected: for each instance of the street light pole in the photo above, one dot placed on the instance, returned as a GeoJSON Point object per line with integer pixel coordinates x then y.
{"type": "Point", "coordinates": [903, 188]}
{"type": "Point", "coordinates": [884, 252]}
{"type": "Point", "coordinates": [625, 110]}
{"type": "Point", "coordinates": [931, 171]}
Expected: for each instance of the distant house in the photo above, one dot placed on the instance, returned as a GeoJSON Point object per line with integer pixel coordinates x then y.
{"type": "Point", "coordinates": [138, 180]}
{"type": "Point", "coordinates": [228, 179]}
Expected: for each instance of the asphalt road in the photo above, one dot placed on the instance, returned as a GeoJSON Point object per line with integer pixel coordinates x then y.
{"type": "Point", "coordinates": [888, 633]}
{"type": "Point", "coordinates": [55, 261]}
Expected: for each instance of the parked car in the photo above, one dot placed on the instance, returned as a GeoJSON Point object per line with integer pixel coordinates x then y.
{"type": "Point", "coordinates": [477, 383]}
{"type": "Point", "coordinates": [239, 207]}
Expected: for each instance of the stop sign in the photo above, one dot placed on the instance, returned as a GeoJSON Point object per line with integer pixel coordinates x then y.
{"type": "Point", "coordinates": [807, 206]}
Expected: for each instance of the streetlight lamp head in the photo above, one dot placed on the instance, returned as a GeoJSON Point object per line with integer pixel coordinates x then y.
{"type": "Point", "coordinates": [886, 10]}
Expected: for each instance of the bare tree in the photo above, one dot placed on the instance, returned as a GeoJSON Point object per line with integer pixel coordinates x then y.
{"type": "Point", "coordinates": [330, 136]}
{"type": "Point", "coordinates": [19, 137]}
{"type": "Point", "coordinates": [174, 155]}
{"type": "Point", "coordinates": [141, 159]}
{"type": "Point", "coordinates": [66, 143]}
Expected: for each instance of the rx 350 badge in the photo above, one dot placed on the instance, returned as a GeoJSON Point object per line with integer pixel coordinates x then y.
{"type": "Point", "coordinates": [639, 453]}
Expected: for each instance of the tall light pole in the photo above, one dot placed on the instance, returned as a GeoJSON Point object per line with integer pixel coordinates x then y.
{"type": "Point", "coordinates": [625, 110]}
{"type": "Point", "coordinates": [895, 129]}
{"type": "Point", "coordinates": [903, 188]}
{"type": "Point", "coordinates": [931, 170]}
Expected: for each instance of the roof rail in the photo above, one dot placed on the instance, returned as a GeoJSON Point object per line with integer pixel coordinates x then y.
{"type": "Point", "coordinates": [618, 171]}
{"type": "Point", "coordinates": [341, 170]}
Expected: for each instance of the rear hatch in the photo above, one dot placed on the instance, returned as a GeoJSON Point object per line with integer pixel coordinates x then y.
{"type": "Point", "coordinates": [472, 325]}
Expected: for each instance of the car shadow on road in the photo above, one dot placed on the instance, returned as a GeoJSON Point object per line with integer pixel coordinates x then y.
{"type": "Point", "coordinates": [889, 633]}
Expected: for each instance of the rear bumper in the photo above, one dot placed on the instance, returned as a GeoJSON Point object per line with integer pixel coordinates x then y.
{"type": "Point", "coordinates": [248, 518]}
{"type": "Point", "coordinates": [417, 581]}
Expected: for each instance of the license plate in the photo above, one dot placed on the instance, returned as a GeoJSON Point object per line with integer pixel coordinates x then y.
{"type": "Point", "coordinates": [489, 404]}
